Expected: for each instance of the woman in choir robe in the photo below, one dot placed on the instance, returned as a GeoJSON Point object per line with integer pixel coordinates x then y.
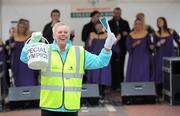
{"type": "Point", "coordinates": [23, 76]}
{"type": "Point", "coordinates": [164, 48]}
{"type": "Point", "coordinates": [99, 76]}
{"type": "Point", "coordinates": [138, 44]}
{"type": "Point", "coordinates": [151, 31]}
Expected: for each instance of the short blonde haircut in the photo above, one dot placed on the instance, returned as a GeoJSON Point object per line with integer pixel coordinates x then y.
{"type": "Point", "coordinates": [58, 25]}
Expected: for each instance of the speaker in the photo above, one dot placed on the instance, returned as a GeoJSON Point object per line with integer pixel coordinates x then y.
{"type": "Point", "coordinates": [90, 91]}
{"type": "Point", "coordinates": [90, 94]}
{"type": "Point", "coordinates": [171, 80]}
{"type": "Point", "coordinates": [24, 93]}
{"type": "Point", "coordinates": [24, 97]}
{"type": "Point", "coordinates": [138, 92]}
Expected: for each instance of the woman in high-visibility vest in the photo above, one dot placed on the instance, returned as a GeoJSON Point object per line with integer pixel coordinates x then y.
{"type": "Point", "coordinates": [61, 81]}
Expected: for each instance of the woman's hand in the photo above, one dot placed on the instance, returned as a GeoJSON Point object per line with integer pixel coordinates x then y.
{"type": "Point", "coordinates": [137, 43]}
{"type": "Point", "coordinates": [162, 41]}
{"type": "Point", "coordinates": [110, 40]}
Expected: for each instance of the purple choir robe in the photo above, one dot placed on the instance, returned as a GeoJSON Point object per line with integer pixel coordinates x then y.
{"type": "Point", "coordinates": [166, 50]}
{"type": "Point", "coordinates": [23, 76]}
{"type": "Point", "coordinates": [138, 68]}
{"type": "Point", "coordinates": [100, 76]}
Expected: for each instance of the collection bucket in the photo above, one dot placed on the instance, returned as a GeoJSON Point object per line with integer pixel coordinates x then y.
{"type": "Point", "coordinates": [37, 54]}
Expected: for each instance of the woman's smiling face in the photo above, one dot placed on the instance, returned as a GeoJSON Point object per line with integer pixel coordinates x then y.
{"type": "Point", "coordinates": [62, 34]}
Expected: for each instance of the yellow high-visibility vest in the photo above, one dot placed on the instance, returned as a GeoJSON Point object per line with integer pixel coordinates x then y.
{"type": "Point", "coordinates": [61, 83]}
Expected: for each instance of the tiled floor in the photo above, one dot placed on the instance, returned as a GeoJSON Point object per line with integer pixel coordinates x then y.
{"type": "Point", "coordinates": [112, 107]}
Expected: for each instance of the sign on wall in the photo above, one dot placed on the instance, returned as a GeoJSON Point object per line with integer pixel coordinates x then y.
{"type": "Point", "coordinates": [85, 8]}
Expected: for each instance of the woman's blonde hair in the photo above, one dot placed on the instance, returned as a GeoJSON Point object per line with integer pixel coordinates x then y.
{"type": "Point", "coordinates": [25, 23]}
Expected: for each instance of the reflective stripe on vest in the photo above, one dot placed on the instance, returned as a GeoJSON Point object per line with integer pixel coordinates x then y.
{"type": "Point", "coordinates": [65, 75]}
{"type": "Point", "coordinates": [54, 80]}
{"type": "Point", "coordinates": [48, 87]}
{"type": "Point", "coordinates": [70, 89]}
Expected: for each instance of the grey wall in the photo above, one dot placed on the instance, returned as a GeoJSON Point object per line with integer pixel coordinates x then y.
{"type": "Point", "coordinates": [38, 12]}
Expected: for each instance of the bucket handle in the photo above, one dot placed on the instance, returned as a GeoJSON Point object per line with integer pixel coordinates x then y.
{"type": "Point", "coordinates": [42, 38]}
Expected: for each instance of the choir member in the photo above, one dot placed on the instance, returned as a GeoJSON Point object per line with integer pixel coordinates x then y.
{"type": "Point", "coordinates": [138, 44]}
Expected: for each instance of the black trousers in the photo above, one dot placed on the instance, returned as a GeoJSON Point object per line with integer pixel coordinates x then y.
{"type": "Point", "coordinates": [51, 113]}
{"type": "Point", "coordinates": [117, 67]}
